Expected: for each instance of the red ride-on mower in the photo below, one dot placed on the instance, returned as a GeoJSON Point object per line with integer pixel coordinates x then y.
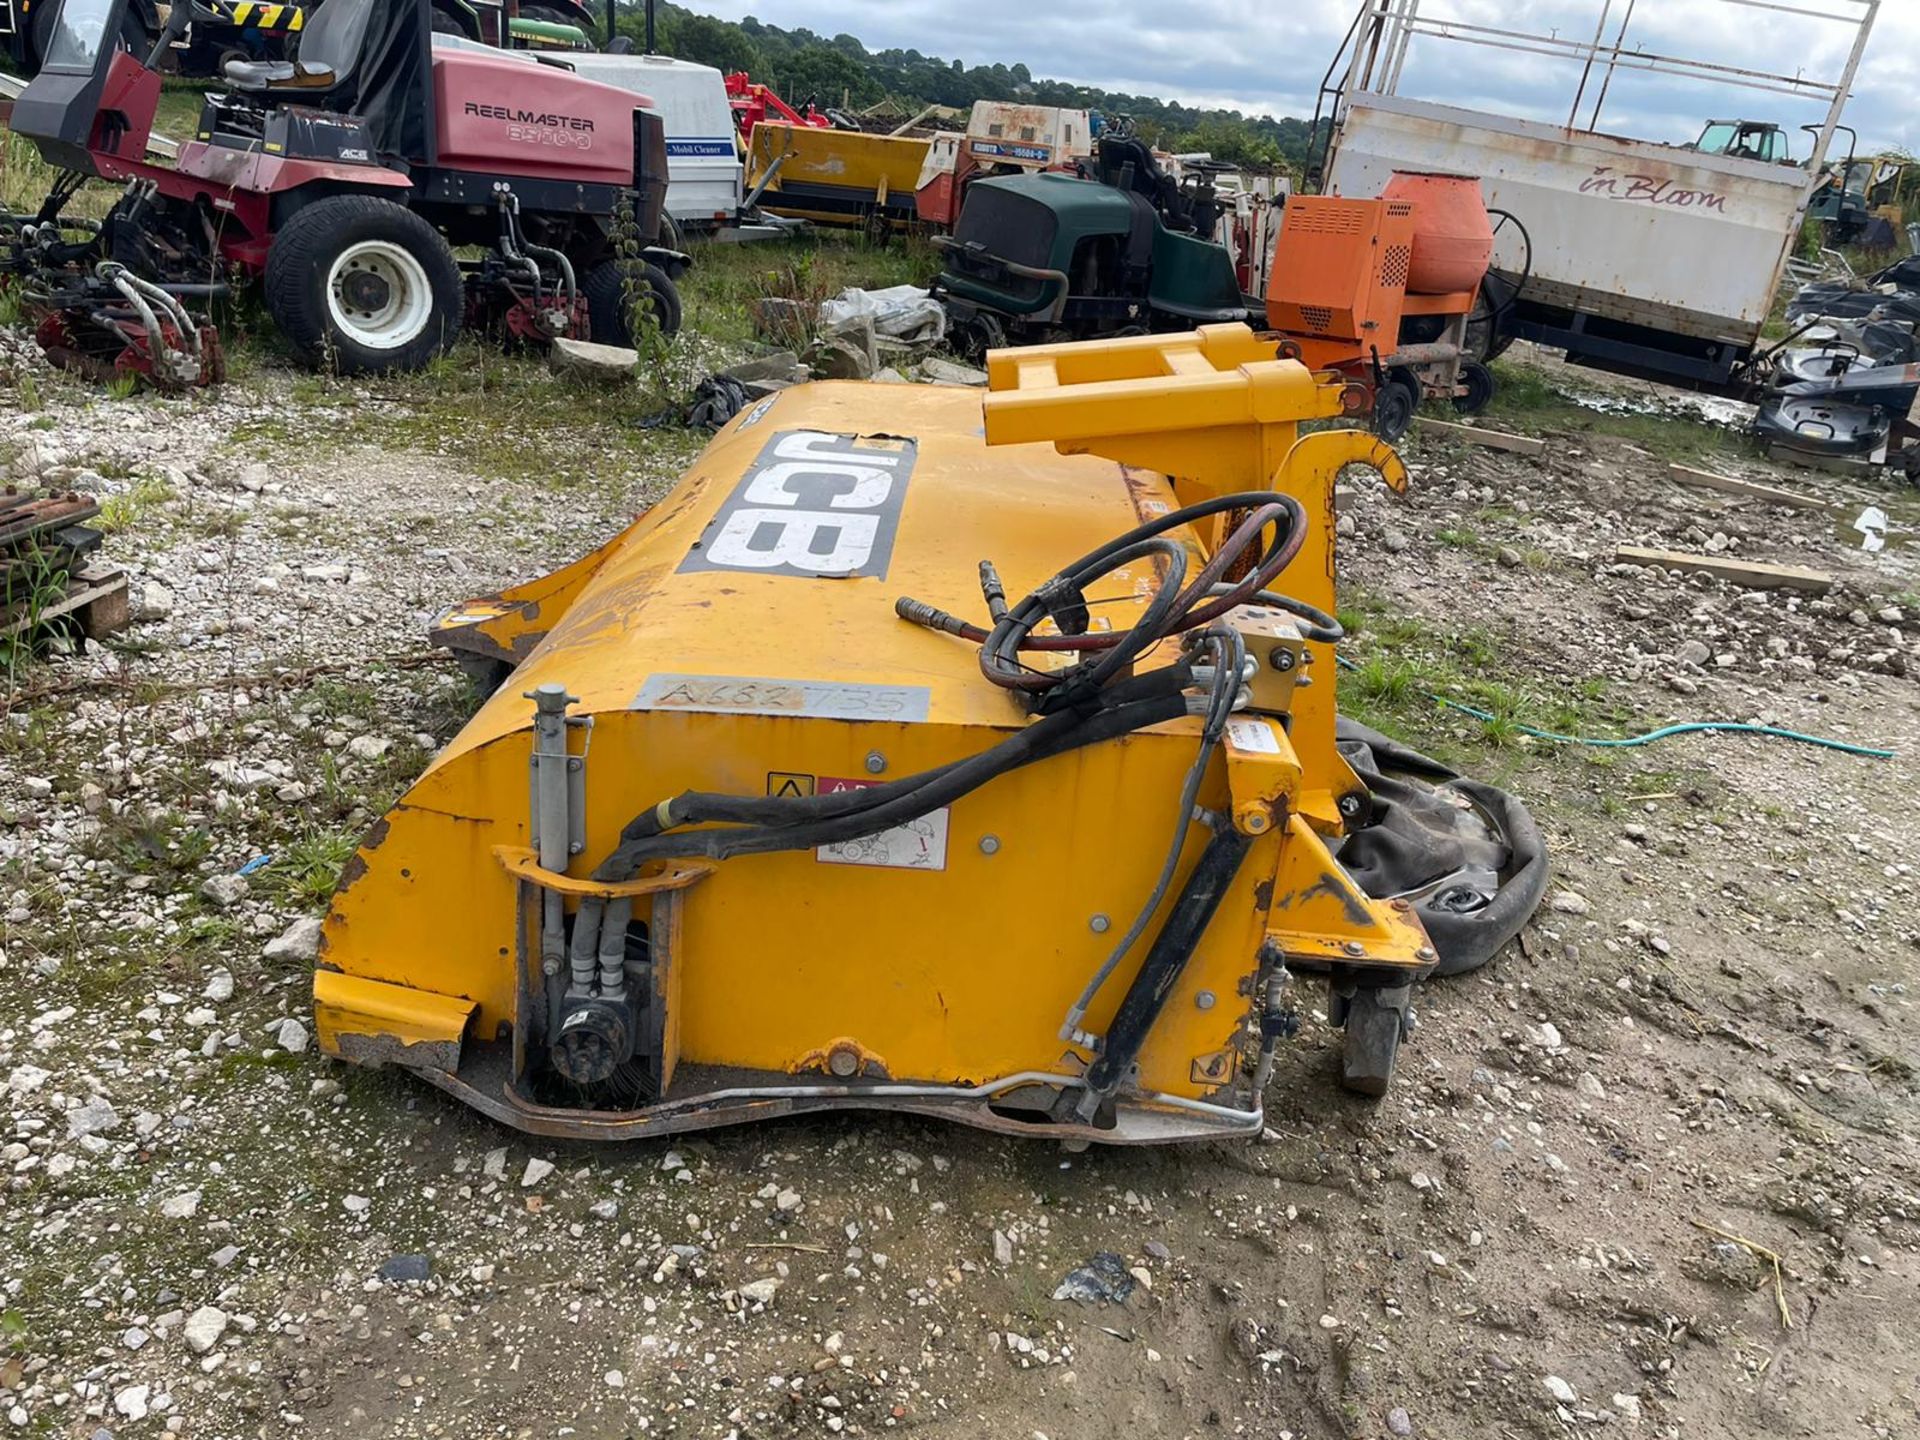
{"type": "Point", "coordinates": [343, 182]}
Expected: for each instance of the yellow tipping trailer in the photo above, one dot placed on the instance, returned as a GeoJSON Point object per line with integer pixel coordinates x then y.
{"type": "Point", "coordinates": [835, 177]}
{"type": "Point", "coordinates": [760, 825]}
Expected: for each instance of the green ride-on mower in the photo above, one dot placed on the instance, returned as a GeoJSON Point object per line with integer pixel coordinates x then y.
{"type": "Point", "coordinates": [383, 193]}
{"type": "Point", "coordinates": [1050, 256]}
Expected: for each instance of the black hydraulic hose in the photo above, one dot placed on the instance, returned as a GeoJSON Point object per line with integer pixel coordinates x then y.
{"type": "Point", "coordinates": [1000, 651]}
{"type": "Point", "coordinates": [1229, 655]}
{"type": "Point", "coordinates": [1320, 625]}
{"type": "Point", "coordinates": [697, 807]}
{"type": "Point", "coordinates": [1176, 607]}
{"type": "Point", "coordinates": [1071, 731]}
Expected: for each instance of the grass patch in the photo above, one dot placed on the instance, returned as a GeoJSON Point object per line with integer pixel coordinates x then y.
{"type": "Point", "coordinates": [1529, 399]}
{"type": "Point", "coordinates": [122, 511]}
{"type": "Point", "coordinates": [503, 413]}
{"type": "Point", "coordinates": [163, 842]}
{"type": "Point", "coordinates": [726, 279]}
{"type": "Point", "coordinates": [305, 871]}
{"type": "Point", "coordinates": [332, 696]}
{"type": "Point", "coordinates": [1400, 668]}
{"type": "Point", "coordinates": [1382, 680]}
{"type": "Point", "coordinates": [34, 583]}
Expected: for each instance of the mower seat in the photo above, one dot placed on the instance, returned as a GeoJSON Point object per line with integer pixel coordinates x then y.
{"type": "Point", "coordinates": [331, 56]}
{"type": "Point", "coordinates": [255, 76]}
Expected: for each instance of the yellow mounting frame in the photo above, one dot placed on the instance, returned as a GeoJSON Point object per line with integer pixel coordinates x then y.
{"type": "Point", "coordinates": [1215, 412]}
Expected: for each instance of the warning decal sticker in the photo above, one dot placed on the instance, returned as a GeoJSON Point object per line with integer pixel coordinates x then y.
{"type": "Point", "coordinates": [919, 844]}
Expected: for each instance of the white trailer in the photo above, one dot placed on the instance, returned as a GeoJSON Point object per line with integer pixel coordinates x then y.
{"type": "Point", "coordinates": [1632, 255]}
{"type": "Point", "coordinates": [704, 168]}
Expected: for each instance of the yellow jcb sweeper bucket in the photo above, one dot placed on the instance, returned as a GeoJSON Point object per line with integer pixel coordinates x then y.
{"type": "Point", "coordinates": [595, 915]}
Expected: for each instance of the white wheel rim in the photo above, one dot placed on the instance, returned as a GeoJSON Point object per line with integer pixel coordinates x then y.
{"type": "Point", "coordinates": [378, 295]}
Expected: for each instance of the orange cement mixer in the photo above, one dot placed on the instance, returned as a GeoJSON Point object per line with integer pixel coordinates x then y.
{"type": "Point", "coordinates": [1382, 290]}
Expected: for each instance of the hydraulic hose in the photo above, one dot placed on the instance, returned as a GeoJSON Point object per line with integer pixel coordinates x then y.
{"type": "Point", "coordinates": [1230, 653]}
{"type": "Point", "coordinates": [1072, 732]}
{"type": "Point", "coordinates": [1320, 625]}
{"type": "Point", "coordinates": [906, 800]}
{"type": "Point", "coordinates": [1174, 608]}
{"type": "Point", "coordinates": [697, 807]}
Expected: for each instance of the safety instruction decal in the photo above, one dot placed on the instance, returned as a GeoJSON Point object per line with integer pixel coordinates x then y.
{"type": "Point", "coordinates": [919, 844]}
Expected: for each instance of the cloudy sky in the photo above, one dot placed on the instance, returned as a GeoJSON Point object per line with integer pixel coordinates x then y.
{"type": "Point", "coordinates": [1256, 55]}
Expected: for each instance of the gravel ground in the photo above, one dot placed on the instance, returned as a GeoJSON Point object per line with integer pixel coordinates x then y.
{"type": "Point", "coordinates": [1699, 1057]}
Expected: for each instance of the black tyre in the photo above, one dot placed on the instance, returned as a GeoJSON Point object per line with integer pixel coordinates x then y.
{"type": "Point", "coordinates": [40, 33]}
{"type": "Point", "coordinates": [1477, 387]}
{"type": "Point", "coordinates": [974, 334]}
{"type": "Point", "coordinates": [1372, 1044]}
{"type": "Point", "coordinates": [672, 237]}
{"type": "Point", "coordinates": [612, 289]}
{"type": "Point", "coordinates": [1392, 410]}
{"type": "Point", "coordinates": [360, 285]}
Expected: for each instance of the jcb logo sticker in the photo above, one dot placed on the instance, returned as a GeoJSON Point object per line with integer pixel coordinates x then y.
{"type": "Point", "coordinates": [812, 505]}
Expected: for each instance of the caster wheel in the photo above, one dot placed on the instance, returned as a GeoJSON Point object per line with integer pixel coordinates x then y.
{"type": "Point", "coordinates": [1476, 389]}
{"type": "Point", "coordinates": [1375, 1022]}
{"type": "Point", "coordinates": [1393, 406]}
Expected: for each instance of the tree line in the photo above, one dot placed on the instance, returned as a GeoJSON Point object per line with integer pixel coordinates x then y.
{"type": "Point", "coordinates": [840, 71]}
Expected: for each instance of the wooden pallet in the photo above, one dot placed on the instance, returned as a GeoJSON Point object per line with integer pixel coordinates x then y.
{"type": "Point", "coordinates": [96, 600]}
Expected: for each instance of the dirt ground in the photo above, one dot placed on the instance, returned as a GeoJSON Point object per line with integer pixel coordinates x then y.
{"type": "Point", "coordinates": [1566, 1215]}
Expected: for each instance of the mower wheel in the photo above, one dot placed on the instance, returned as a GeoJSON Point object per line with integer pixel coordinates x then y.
{"type": "Point", "coordinates": [1372, 1042]}
{"type": "Point", "coordinates": [613, 287]}
{"type": "Point", "coordinates": [363, 285]}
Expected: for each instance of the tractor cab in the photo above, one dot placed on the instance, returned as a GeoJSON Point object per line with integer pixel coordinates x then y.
{"type": "Point", "coordinates": [1857, 199]}
{"type": "Point", "coordinates": [1759, 140]}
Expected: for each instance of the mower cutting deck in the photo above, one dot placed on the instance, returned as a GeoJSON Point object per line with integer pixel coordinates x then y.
{"type": "Point", "coordinates": [786, 807]}
{"type": "Point", "coordinates": [343, 183]}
